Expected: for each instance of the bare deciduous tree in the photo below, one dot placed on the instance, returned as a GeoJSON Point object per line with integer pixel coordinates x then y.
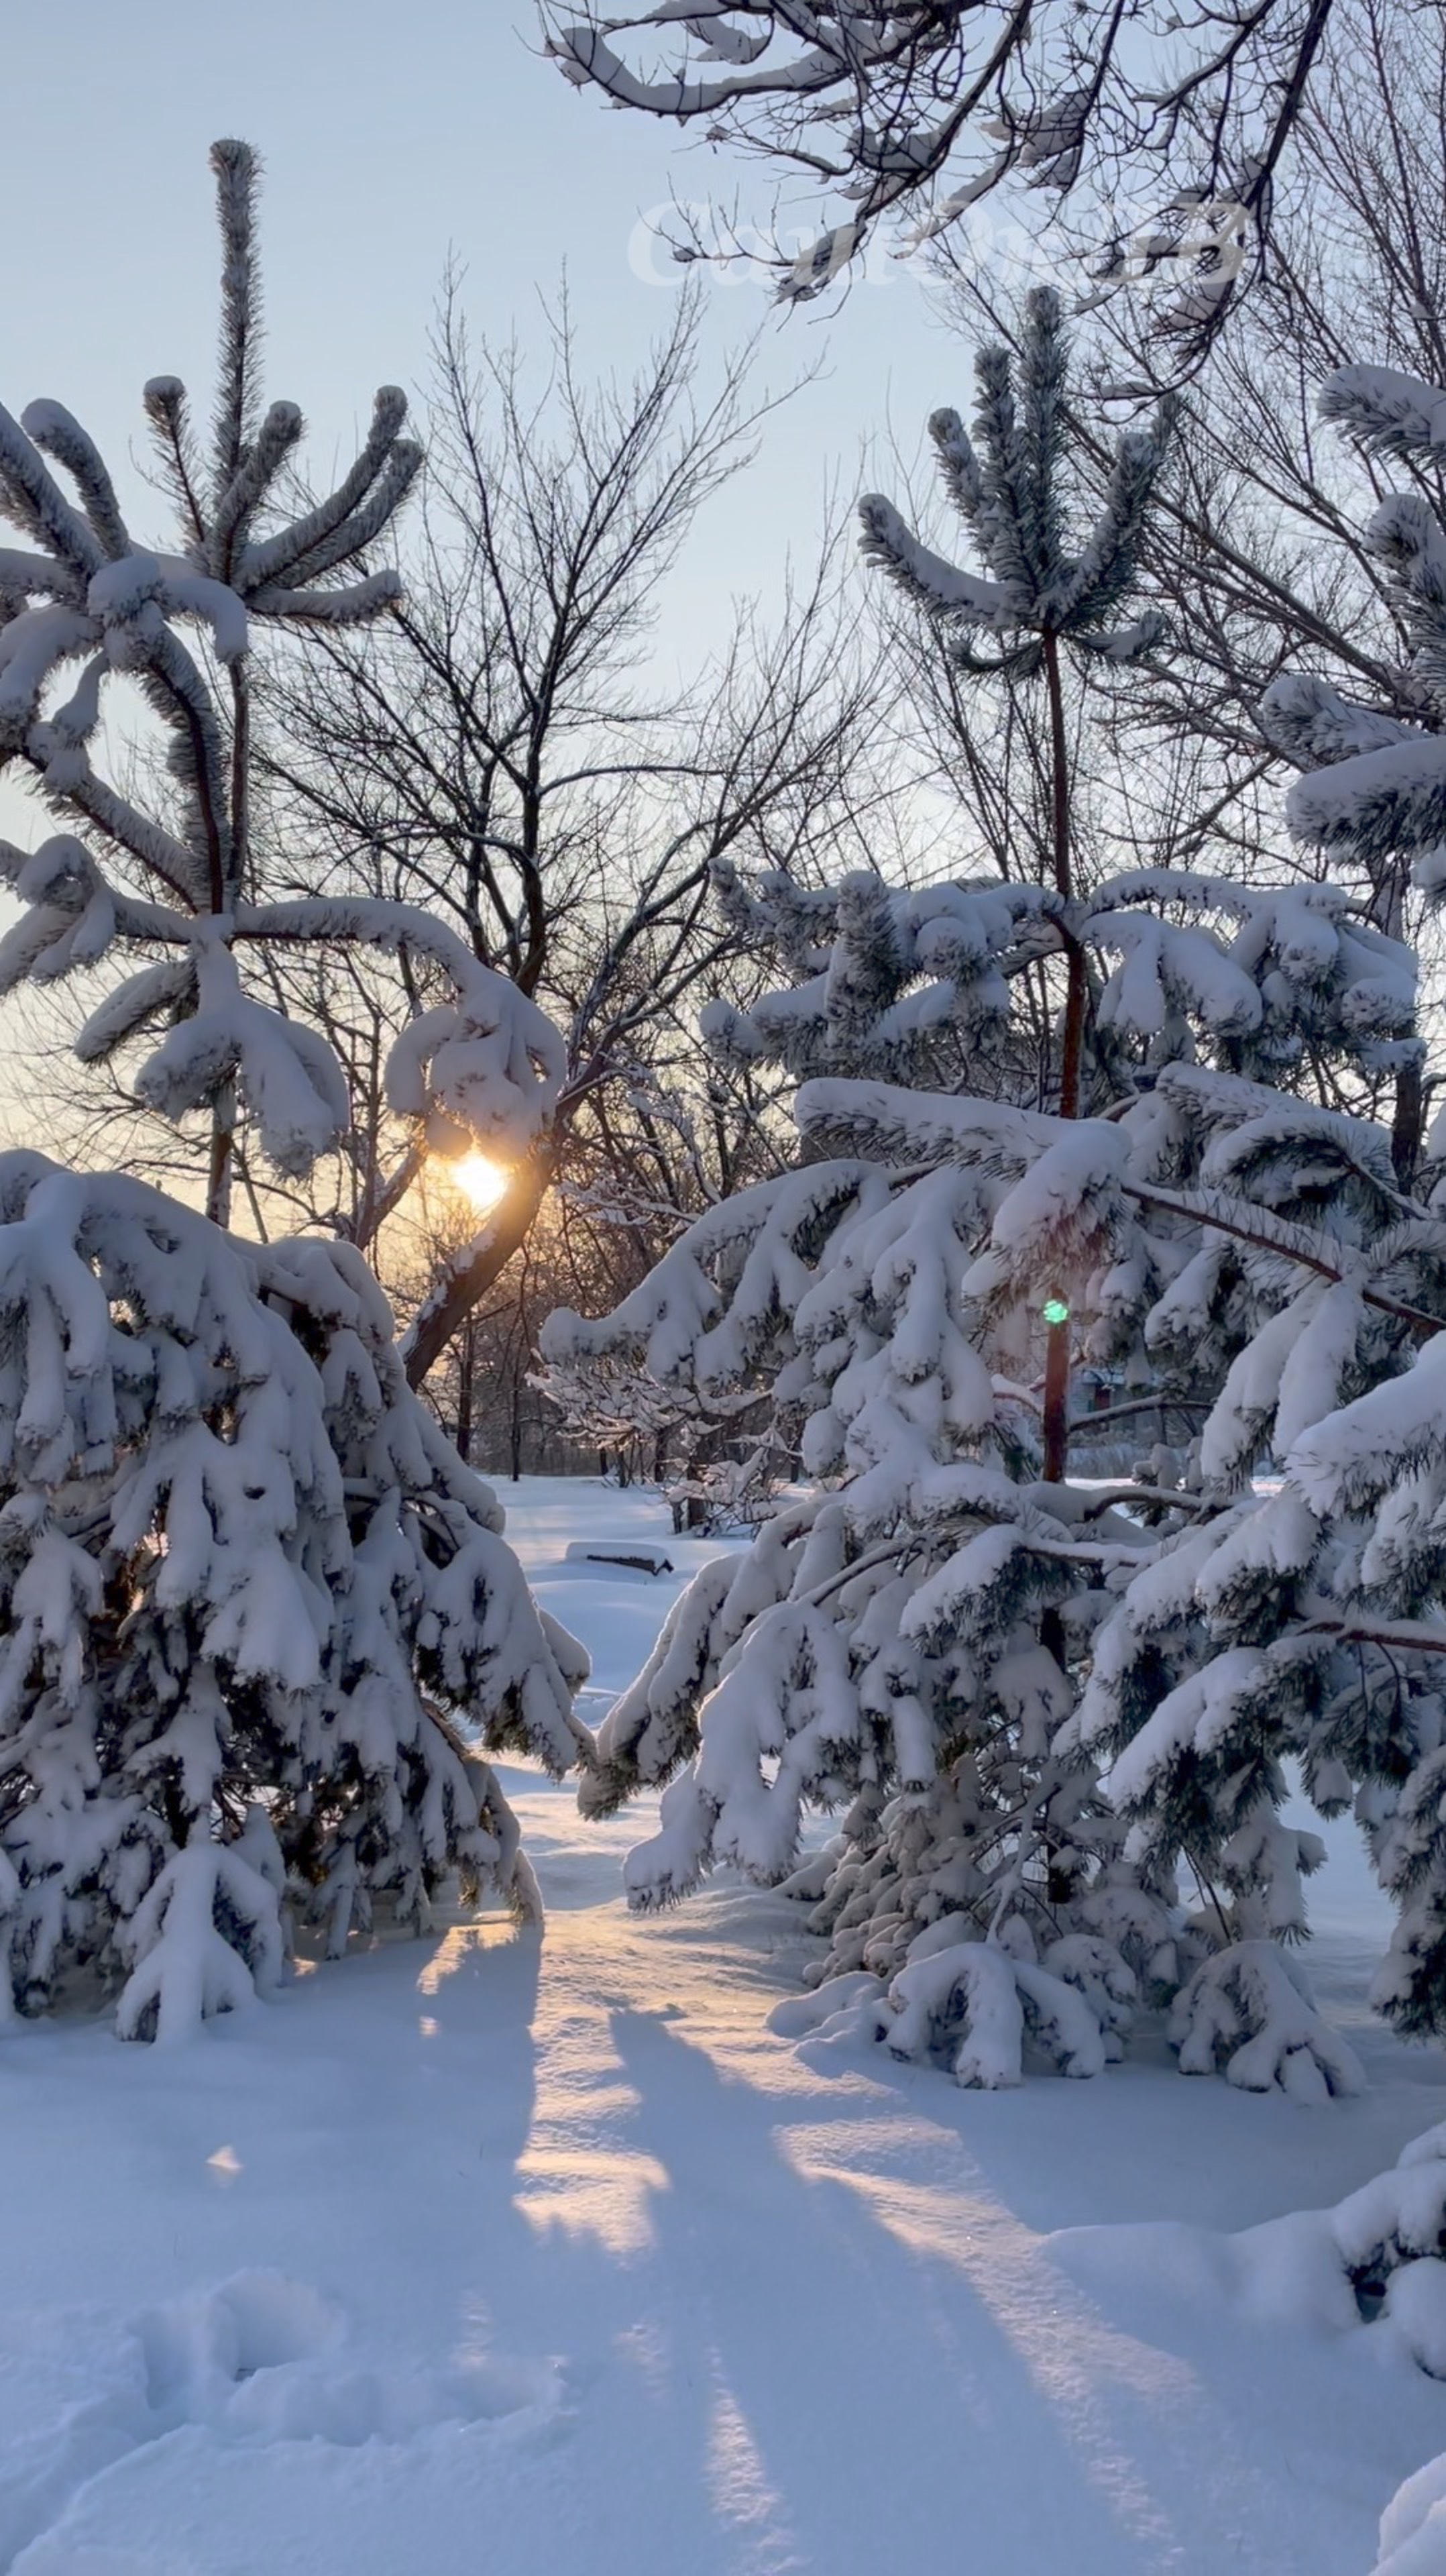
{"type": "Point", "coordinates": [505, 753]}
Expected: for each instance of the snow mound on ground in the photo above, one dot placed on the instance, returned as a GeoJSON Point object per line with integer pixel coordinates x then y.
{"type": "Point", "coordinates": [1374, 2265]}
{"type": "Point", "coordinates": [190, 2506]}
{"type": "Point", "coordinates": [259, 2362]}
{"type": "Point", "coordinates": [1376, 2262]}
{"type": "Point", "coordinates": [1413, 2526]}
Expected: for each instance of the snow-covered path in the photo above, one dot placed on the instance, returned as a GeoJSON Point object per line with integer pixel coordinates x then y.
{"type": "Point", "coordinates": [546, 2257]}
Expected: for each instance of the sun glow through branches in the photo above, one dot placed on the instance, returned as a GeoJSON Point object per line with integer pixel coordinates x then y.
{"type": "Point", "coordinates": [479, 1179]}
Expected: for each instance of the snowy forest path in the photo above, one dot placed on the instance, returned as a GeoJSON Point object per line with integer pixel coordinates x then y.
{"type": "Point", "coordinates": [549, 2252]}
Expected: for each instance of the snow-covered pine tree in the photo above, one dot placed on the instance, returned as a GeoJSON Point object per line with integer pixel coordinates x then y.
{"type": "Point", "coordinates": [252, 1606]}
{"type": "Point", "coordinates": [257, 1622]}
{"type": "Point", "coordinates": [906, 1640]}
{"type": "Point", "coordinates": [83, 604]}
{"type": "Point", "coordinates": [1311, 1621]}
{"type": "Point", "coordinates": [1039, 601]}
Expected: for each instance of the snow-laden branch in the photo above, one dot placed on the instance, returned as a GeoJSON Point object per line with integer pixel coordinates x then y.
{"type": "Point", "coordinates": [919, 111]}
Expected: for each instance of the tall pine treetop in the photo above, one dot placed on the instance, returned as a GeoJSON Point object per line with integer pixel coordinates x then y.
{"type": "Point", "coordinates": [176, 877]}
{"type": "Point", "coordinates": [1011, 487]}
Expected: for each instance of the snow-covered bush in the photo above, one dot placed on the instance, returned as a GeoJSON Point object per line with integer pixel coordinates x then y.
{"type": "Point", "coordinates": [249, 1601]}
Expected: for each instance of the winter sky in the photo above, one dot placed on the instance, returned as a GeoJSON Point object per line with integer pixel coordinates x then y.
{"type": "Point", "coordinates": [391, 138]}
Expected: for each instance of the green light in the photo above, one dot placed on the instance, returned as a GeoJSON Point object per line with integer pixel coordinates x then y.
{"type": "Point", "coordinates": [1055, 1311]}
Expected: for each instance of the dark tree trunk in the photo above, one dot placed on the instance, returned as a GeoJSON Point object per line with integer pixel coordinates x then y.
{"type": "Point", "coordinates": [1406, 1123]}
{"type": "Point", "coordinates": [466, 1369]}
{"type": "Point", "coordinates": [505, 1233]}
{"type": "Point", "coordinates": [1057, 1349]}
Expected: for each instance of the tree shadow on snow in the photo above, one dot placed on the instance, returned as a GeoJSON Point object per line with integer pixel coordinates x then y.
{"type": "Point", "coordinates": [866, 2358]}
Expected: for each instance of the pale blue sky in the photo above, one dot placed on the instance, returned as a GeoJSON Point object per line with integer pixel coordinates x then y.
{"type": "Point", "coordinates": [391, 135]}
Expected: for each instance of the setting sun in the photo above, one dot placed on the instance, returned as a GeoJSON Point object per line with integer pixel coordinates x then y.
{"type": "Point", "coordinates": [479, 1179]}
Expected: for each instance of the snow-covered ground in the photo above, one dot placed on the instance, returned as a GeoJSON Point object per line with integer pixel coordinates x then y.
{"type": "Point", "coordinates": [546, 2259]}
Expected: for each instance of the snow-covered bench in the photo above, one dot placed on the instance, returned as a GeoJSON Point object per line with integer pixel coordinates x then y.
{"type": "Point", "coordinates": [641, 1554]}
